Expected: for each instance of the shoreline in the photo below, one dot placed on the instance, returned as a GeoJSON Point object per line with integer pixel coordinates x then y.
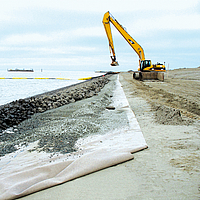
{"type": "Point", "coordinates": [15, 112]}
{"type": "Point", "coordinates": [14, 115]}
{"type": "Point", "coordinates": [57, 130]}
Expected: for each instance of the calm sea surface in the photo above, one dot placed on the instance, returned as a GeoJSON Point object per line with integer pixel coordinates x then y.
{"type": "Point", "coordinates": [14, 89]}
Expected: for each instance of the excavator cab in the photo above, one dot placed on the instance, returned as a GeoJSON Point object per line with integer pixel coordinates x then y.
{"type": "Point", "coordinates": [145, 64]}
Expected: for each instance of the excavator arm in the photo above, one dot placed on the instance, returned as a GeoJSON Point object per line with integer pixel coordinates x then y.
{"type": "Point", "coordinates": [107, 19]}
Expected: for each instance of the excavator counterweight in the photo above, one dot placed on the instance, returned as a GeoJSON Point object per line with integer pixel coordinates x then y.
{"type": "Point", "coordinates": [145, 66]}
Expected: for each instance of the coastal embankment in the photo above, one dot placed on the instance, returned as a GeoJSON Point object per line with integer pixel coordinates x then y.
{"type": "Point", "coordinates": [70, 141]}
{"type": "Point", "coordinates": [167, 113]}
{"type": "Point", "coordinates": [14, 113]}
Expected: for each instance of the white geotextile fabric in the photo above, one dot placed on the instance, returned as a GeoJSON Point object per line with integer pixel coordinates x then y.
{"type": "Point", "coordinates": [25, 172]}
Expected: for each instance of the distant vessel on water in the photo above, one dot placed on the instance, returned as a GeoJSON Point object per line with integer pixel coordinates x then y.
{"type": "Point", "coordinates": [20, 70]}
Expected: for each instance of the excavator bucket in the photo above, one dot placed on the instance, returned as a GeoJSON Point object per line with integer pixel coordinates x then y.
{"type": "Point", "coordinates": [114, 63]}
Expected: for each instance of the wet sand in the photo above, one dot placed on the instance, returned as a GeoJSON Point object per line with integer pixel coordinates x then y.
{"type": "Point", "coordinates": [169, 168]}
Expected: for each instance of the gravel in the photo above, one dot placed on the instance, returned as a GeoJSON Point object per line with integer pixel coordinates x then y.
{"type": "Point", "coordinates": [57, 130]}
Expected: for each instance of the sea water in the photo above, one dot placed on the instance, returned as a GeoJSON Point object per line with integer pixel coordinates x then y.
{"type": "Point", "coordinates": [14, 89]}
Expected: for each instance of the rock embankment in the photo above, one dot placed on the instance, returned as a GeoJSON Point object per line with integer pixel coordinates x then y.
{"type": "Point", "coordinates": [17, 111]}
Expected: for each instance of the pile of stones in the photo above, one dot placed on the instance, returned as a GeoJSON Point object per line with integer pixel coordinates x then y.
{"type": "Point", "coordinates": [17, 111]}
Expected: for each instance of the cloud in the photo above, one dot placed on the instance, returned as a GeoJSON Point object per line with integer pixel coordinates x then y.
{"type": "Point", "coordinates": [137, 16]}
{"type": "Point", "coordinates": [9, 8]}
{"type": "Point", "coordinates": [52, 36]}
{"type": "Point", "coordinates": [20, 39]}
{"type": "Point", "coordinates": [100, 6]}
{"type": "Point", "coordinates": [169, 22]}
{"type": "Point", "coordinates": [89, 31]}
{"type": "Point", "coordinates": [45, 50]}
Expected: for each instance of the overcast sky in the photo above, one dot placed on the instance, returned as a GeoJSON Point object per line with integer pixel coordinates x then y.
{"type": "Point", "coordinates": [69, 35]}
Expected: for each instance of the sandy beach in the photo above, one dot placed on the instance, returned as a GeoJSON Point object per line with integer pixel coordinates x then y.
{"type": "Point", "coordinates": [168, 115]}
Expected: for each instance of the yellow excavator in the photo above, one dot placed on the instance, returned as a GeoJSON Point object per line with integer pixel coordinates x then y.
{"type": "Point", "coordinates": [146, 69]}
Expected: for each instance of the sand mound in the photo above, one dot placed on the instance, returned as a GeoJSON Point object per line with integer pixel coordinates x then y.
{"type": "Point", "coordinates": [169, 116]}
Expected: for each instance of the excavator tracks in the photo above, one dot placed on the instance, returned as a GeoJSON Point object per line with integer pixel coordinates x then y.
{"type": "Point", "coordinates": [148, 75]}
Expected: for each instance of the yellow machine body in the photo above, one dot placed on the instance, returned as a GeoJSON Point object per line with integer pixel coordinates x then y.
{"type": "Point", "coordinates": [144, 65]}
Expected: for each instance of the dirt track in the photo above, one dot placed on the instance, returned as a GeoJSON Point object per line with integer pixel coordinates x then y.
{"type": "Point", "coordinates": [180, 90]}
{"type": "Point", "coordinates": [168, 114]}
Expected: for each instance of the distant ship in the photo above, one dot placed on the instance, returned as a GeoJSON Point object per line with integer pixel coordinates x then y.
{"type": "Point", "coordinates": [20, 70]}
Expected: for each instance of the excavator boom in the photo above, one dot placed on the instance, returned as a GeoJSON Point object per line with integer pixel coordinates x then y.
{"type": "Point", "coordinates": [107, 19]}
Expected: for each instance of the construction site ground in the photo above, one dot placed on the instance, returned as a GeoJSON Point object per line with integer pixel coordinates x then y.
{"type": "Point", "coordinates": [169, 115]}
